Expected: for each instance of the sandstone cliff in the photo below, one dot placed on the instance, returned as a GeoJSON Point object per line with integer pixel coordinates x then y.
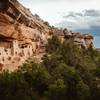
{"type": "Point", "coordinates": [23, 35]}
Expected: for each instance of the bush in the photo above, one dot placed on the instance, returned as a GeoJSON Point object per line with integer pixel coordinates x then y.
{"type": "Point", "coordinates": [66, 73]}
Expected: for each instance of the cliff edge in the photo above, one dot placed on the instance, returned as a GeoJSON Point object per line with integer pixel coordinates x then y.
{"type": "Point", "coordinates": [23, 35]}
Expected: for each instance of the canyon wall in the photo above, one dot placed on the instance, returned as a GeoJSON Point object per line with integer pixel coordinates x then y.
{"type": "Point", "coordinates": [23, 35]}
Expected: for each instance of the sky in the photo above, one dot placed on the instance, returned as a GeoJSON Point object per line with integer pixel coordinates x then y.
{"type": "Point", "coordinates": [76, 15]}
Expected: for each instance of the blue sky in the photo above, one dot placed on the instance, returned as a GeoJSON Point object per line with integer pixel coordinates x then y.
{"type": "Point", "coordinates": [77, 15]}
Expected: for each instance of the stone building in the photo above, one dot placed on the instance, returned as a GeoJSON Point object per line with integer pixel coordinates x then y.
{"type": "Point", "coordinates": [18, 51]}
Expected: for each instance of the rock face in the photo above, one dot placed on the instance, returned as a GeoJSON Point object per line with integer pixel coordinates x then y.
{"type": "Point", "coordinates": [98, 49]}
{"type": "Point", "coordinates": [84, 41]}
{"type": "Point", "coordinates": [23, 35]}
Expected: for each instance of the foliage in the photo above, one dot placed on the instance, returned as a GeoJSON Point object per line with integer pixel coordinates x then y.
{"type": "Point", "coordinates": [66, 73]}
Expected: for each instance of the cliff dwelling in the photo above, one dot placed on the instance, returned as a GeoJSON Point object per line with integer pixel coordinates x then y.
{"type": "Point", "coordinates": [23, 35]}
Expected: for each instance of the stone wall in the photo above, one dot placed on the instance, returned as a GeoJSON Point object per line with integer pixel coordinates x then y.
{"type": "Point", "coordinates": [15, 55]}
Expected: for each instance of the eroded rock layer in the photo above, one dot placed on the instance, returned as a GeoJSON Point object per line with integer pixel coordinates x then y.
{"type": "Point", "coordinates": [23, 35]}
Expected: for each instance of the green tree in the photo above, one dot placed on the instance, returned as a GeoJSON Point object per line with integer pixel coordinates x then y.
{"type": "Point", "coordinates": [57, 90]}
{"type": "Point", "coordinates": [83, 91]}
{"type": "Point", "coordinates": [53, 45]}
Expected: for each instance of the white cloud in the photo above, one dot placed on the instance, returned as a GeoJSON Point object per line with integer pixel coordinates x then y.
{"type": "Point", "coordinates": [53, 10]}
{"type": "Point", "coordinates": [85, 21]}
